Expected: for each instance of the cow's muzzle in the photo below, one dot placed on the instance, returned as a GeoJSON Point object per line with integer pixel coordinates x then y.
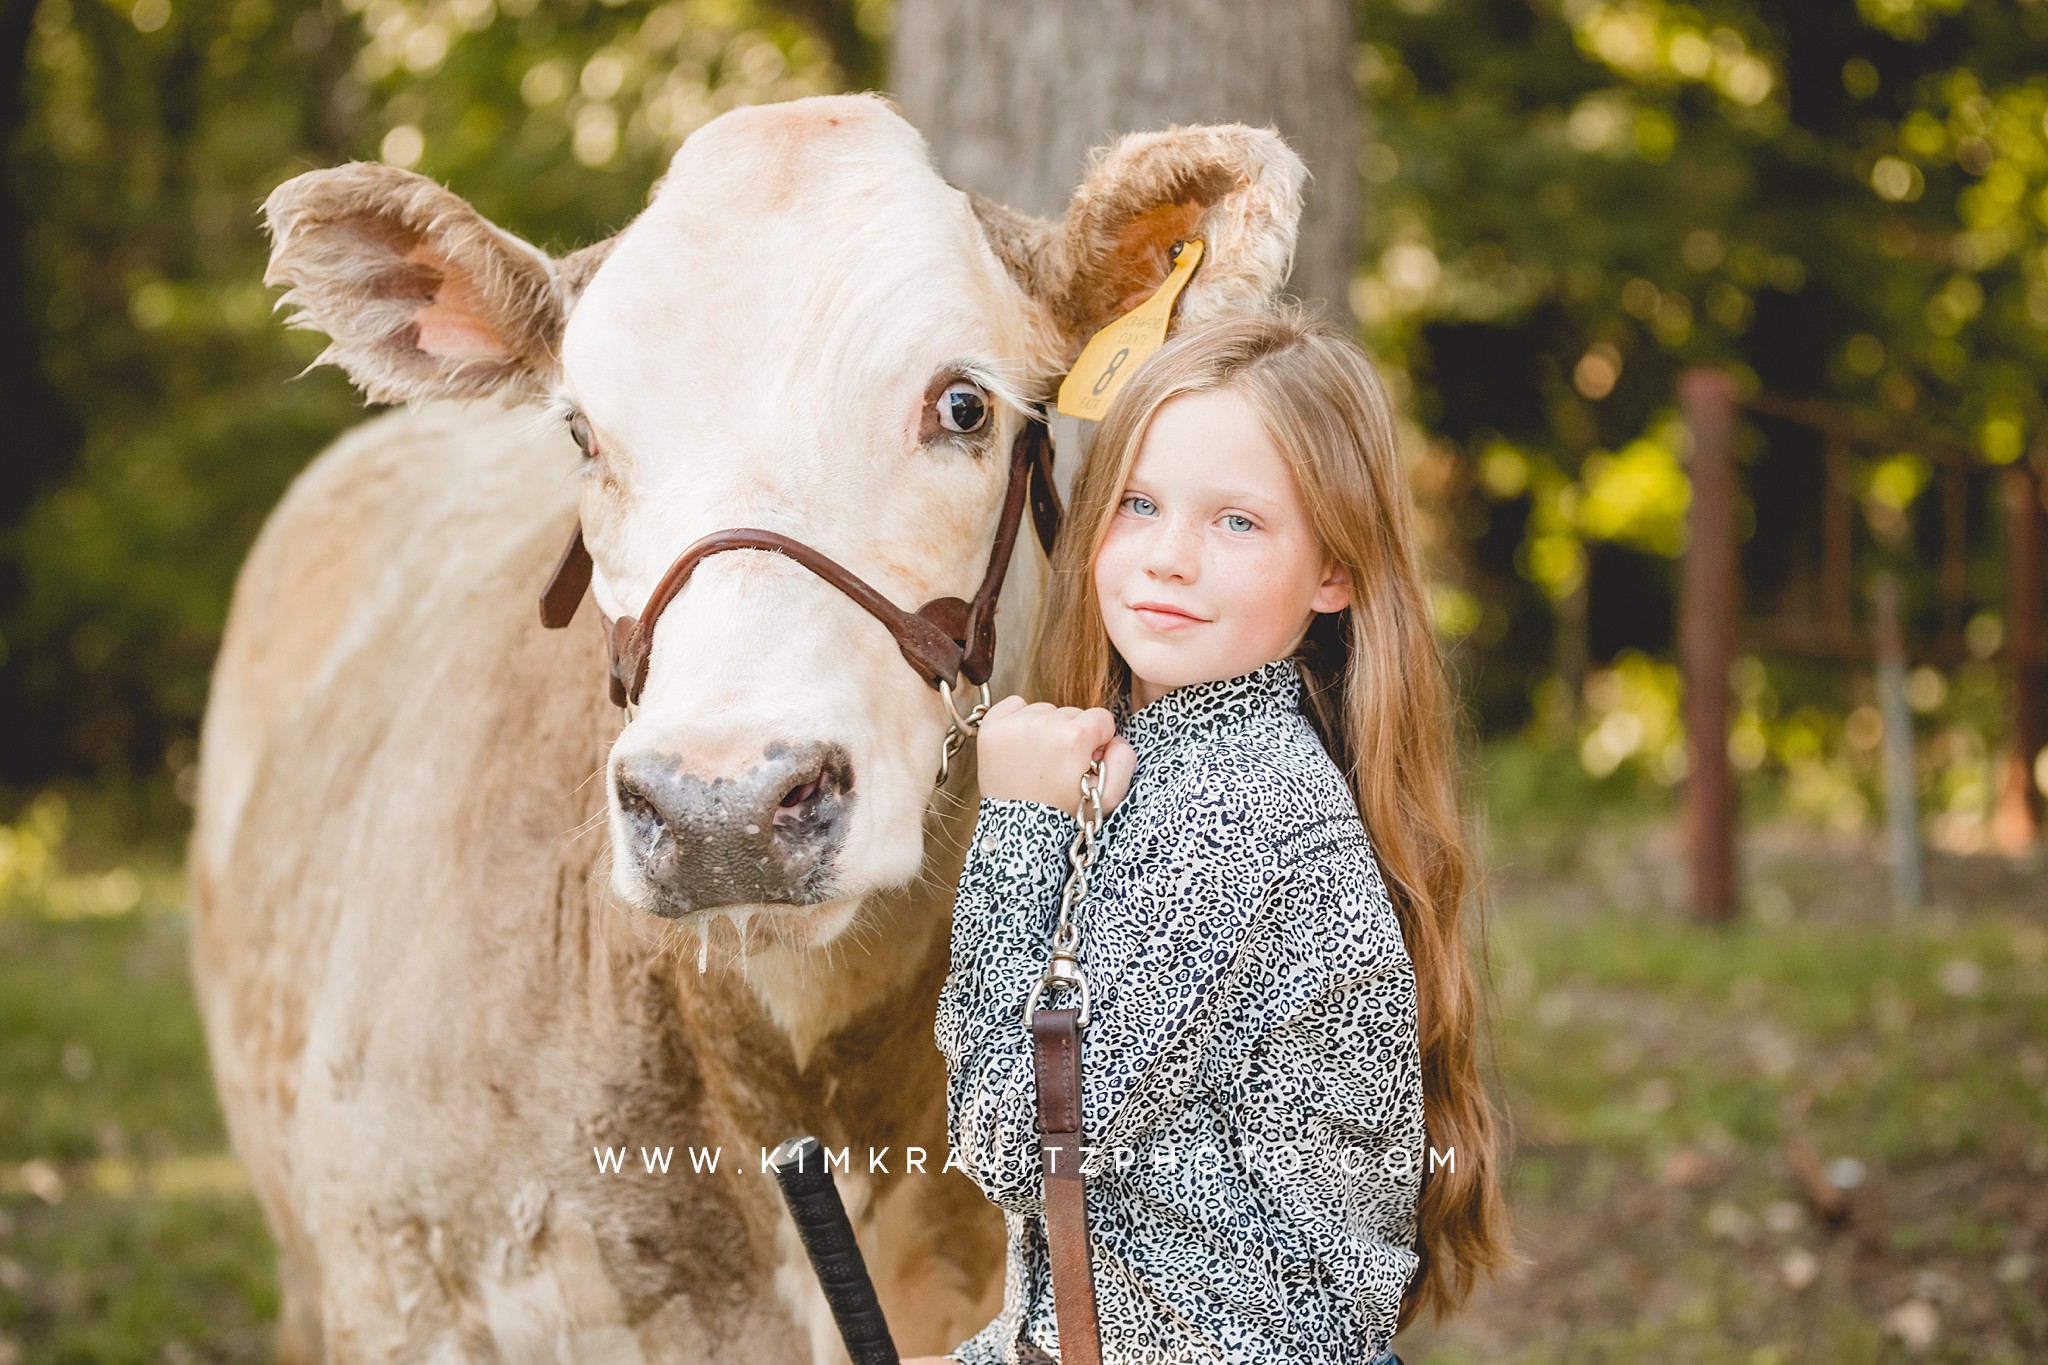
{"type": "Point", "coordinates": [768, 835]}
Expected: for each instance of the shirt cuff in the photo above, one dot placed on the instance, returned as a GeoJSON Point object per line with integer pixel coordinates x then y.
{"type": "Point", "coordinates": [1010, 888]}
{"type": "Point", "coordinates": [1022, 819]}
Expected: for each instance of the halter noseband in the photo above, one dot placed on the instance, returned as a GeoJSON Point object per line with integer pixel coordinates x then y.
{"type": "Point", "coordinates": [944, 639]}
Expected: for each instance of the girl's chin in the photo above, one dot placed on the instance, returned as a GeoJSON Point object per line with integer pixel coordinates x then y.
{"type": "Point", "coordinates": [1151, 649]}
{"type": "Point", "coordinates": [1165, 669]}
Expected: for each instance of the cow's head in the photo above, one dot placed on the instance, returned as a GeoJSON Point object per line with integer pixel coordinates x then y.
{"type": "Point", "coordinates": [809, 331]}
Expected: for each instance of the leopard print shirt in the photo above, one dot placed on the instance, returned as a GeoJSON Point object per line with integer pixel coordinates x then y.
{"type": "Point", "coordinates": [1252, 1080]}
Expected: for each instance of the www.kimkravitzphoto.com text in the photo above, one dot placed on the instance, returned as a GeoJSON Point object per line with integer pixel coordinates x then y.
{"type": "Point", "coordinates": [1277, 1158]}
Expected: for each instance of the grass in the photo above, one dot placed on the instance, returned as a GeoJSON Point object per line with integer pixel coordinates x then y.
{"type": "Point", "coordinates": [127, 1230]}
{"type": "Point", "coordinates": [1659, 1070]}
{"type": "Point", "coordinates": [1655, 1071]}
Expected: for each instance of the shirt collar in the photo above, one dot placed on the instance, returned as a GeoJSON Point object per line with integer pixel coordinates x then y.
{"type": "Point", "coordinates": [1206, 709]}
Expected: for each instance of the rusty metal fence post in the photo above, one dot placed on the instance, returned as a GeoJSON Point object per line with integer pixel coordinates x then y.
{"type": "Point", "coordinates": [1901, 786]}
{"type": "Point", "coordinates": [2016, 822]}
{"type": "Point", "coordinates": [1708, 606]}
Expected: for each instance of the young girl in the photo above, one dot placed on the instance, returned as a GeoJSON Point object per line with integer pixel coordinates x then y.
{"type": "Point", "coordinates": [1294, 1154]}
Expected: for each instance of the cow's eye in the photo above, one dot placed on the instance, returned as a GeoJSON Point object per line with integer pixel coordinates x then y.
{"type": "Point", "coordinates": [963, 407]}
{"type": "Point", "coordinates": [579, 432]}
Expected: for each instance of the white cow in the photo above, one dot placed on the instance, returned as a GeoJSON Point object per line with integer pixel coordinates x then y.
{"type": "Point", "coordinates": [438, 890]}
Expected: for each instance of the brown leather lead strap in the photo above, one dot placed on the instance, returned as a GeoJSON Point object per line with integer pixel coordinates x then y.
{"type": "Point", "coordinates": [1056, 1064]}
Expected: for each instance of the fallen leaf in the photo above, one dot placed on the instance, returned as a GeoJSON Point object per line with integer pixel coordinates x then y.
{"type": "Point", "coordinates": [1915, 1322]}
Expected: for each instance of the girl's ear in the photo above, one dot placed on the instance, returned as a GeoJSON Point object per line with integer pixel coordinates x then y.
{"type": "Point", "coordinates": [1334, 593]}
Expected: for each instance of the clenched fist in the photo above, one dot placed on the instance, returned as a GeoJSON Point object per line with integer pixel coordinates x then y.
{"type": "Point", "coordinates": [1036, 751]}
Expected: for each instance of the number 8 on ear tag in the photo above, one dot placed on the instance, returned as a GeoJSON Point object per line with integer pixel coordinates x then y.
{"type": "Point", "coordinates": [1118, 349]}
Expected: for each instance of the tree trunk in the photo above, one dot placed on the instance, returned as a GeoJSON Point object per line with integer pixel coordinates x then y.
{"type": "Point", "coordinates": [1012, 97]}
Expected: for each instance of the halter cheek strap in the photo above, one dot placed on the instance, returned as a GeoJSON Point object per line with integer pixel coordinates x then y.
{"type": "Point", "coordinates": [944, 639]}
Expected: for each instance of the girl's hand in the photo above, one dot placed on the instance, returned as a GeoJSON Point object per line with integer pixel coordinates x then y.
{"type": "Point", "coordinates": [1036, 751]}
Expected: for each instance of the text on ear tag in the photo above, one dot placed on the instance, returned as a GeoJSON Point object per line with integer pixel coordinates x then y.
{"type": "Point", "coordinates": [1112, 353]}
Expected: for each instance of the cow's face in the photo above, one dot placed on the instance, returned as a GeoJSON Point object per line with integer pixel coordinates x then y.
{"type": "Point", "coordinates": [807, 331]}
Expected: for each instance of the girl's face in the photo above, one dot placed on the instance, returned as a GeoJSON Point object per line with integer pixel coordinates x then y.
{"type": "Point", "coordinates": [1210, 566]}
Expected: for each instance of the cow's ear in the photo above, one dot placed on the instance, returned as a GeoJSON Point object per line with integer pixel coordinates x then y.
{"type": "Point", "coordinates": [422, 296]}
{"type": "Point", "coordinates": [1238, 188]}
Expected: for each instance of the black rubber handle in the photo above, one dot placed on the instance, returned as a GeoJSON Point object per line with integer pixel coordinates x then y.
{"type": "Point", "coordinates": [799, 1166]}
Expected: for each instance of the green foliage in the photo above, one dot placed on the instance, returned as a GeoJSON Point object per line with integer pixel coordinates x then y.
{"type": "Point", "coordinates": [150, 133]}
{"type": "Point", "coordinates": [1569, 201]}
{"type": "Point", "coordinates": [1651, 175]}
{"type": "Point", "coordinates": [1572, 200]}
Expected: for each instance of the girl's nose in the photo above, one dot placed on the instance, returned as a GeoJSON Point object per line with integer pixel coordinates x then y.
{"type": "Point", "coordinates": [1175, 551]}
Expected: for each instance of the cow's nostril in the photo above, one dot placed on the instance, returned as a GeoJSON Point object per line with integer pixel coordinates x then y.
{"type": "Point", "coordinates": [804, 802]}
{"type": "Point", "coordinates": [642, 814]}
{"type": "Point", "coordinates": [634, 802]}
{"type": "Point", "coordinates": [798, 804]}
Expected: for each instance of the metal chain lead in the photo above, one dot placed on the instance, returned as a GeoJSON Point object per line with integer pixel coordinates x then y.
{"type": "Point", "coordinates": [958, 727]}
{"type": "Point", "coordinates": [1065, 968]}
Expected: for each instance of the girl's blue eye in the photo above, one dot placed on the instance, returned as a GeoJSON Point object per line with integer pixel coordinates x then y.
{"type": "Point", "coordinates": [1239, 516]}
{"type": "Point", "coordinates": [1137, 497]}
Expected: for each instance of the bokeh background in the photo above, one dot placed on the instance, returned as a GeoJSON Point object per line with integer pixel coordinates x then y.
{"type": "Point", "coordinates": [1811, 1131]}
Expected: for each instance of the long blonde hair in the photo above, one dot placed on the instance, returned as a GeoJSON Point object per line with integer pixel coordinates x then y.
{"type": "Point", "coordinates": [1388, 722]}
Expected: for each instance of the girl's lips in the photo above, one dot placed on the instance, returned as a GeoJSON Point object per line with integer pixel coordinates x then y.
{"type": "Point", "coordinates": [1157, 619]}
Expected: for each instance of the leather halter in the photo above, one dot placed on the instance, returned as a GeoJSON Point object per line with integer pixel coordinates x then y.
{"type": "Point", "coordinates": [944, 639]}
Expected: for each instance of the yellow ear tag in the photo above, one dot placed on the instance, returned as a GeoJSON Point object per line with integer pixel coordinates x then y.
{"type": "Point", "coordinates": [1112, 353]}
